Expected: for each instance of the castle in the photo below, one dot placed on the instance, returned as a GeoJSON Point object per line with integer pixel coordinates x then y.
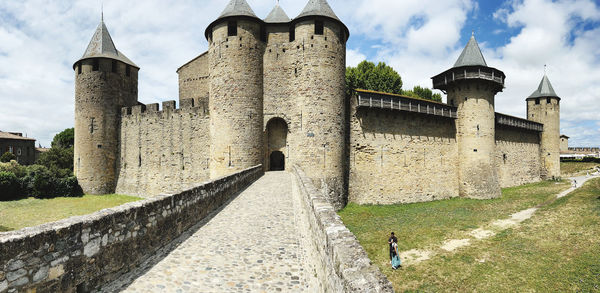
{"type": "Point", "coordinates": [272, 92]}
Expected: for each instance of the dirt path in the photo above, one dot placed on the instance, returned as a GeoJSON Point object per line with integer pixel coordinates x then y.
{"type": "Point", "coordinates": [415, 256]}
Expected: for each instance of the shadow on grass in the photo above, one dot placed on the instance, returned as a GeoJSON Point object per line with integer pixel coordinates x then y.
{"type": "Point", "coordinates": [5, 229]}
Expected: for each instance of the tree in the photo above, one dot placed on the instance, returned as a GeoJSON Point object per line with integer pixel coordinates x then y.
{"type": "Point", "coordinates": [423, 93]}
{"type": "Point", "coordinates": [7, 157]}
{"type": "Point", "coordinates": [369, 76]}
{"type": "Point", "coordinates": [59, 158]}
{"type": "Point", "coordinates": [65, 139]}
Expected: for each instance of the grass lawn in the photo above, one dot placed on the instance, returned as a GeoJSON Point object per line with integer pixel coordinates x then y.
{"type": "Point", "coordinates": [576, 168]}
{"type": "Point", "coordinates": [557, 250]}
{"type": "Point", "coordinates": [30, 212]}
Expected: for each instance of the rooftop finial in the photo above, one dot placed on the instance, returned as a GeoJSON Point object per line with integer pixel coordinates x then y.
{"type": "Point", "coordinates": [472, 33]}
{"type": "Point", "coordinates": [102, 11]}
{"type": "Point", "coordinates": [545, 68]}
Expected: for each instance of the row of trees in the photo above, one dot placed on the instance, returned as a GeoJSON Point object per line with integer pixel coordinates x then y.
{"type": "Point", "coordinates": [51, 176]}
{"type": "Point", "coordinates": [383, 78]}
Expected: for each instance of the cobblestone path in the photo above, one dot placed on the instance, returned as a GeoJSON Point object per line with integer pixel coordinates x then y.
{"type": "Point", "coordinates": [254, 244]}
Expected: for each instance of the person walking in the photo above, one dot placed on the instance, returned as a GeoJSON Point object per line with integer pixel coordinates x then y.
{"type": "Point", "coordinates": [391, 241]}
{"type": "Point", "coordinates": [396, 263]}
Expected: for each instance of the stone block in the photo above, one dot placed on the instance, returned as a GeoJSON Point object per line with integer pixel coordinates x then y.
{"type": "Point", "coordinates": [19, 282]}
{"type": "Point", "coordinates": [92, 247]}
{"type": "Point", "coordinates": [11, 276]}
{"type": "Point", "coordinates": [41, 274]}
{"type": "Point", "coordinates": [15, 265]}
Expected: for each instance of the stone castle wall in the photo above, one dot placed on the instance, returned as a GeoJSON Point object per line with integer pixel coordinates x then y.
{"type": "Point", "coordinates": [475, 135]}
{"type": "Point", "coordinates": [547, 112]}
{"type": "Point", "coordinates": [101, 89]}
{"type": "Point", "coordinates": [318, 83]}
{"type": "Point", "coordinates": [194, 80]}
{"type": "Point", "coordinates": [236, 97]}
{"type": "Point", "coordinates": [517, 156]}
{"type": "Point", "coordinates": [163, 151]}
{"type": "Point", "coordinates": [401, 157]}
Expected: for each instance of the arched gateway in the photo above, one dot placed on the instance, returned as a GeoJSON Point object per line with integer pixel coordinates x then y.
{"type": "Point", "coordinates": [276, 136]}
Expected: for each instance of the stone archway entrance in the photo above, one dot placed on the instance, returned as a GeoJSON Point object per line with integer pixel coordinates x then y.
{"type": "Point", "coordinates": [277, 130]}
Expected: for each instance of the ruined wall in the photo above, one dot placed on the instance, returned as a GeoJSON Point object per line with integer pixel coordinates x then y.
{"type": "Point", "coordinates": [163, 151]}
{"type": "Point", "coordinates": [401, 157]}
{"type": "Point", "coordinates": [99, 96]}
{"type": "Point", "coordinates": [193, 80]}
{"type": "Point", "coordinates": [517, 156]}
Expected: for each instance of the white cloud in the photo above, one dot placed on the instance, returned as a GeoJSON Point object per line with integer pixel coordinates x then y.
{"type": "Point", "coordinates": [353, 57]}
{"type": "Point", "coordinates": [549, 35]}
{"type": "Point", "coordinates": [40, 40]}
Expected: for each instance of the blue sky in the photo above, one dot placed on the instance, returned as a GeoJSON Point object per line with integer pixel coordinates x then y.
{"type": "Point", "coordinates": [41, 39]}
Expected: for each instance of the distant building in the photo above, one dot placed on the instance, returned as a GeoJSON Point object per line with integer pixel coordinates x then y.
{"type": "Point", "coordinates": [564, 143]}
{"type": "Point", "coordinates": [22, 147]}
{"type": "Point", "coordinates": [567, 152]}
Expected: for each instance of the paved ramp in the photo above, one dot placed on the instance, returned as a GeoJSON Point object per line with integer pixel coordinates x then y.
{"type": "Point", "coordinates": [254, 244]}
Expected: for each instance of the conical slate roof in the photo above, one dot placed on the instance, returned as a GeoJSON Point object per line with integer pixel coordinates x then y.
{"type": "Point", "coordinates": [318, 7]}
{"type": "Point", "coordinates": [102, 46]}
{"type": "Point", "coordinates": [471, 55]}
{"type": "Point", "coordinates": [237, 8]}
{"type": "Point", "coordinates": [277, 15]}
{"type": "Point", "coordinates": [544, 90]}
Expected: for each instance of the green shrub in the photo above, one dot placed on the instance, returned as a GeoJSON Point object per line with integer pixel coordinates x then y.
{"type": "Point", "coordinates": [7, 157]}
{"type": "Point", "coordinates": [13, 167]}
{"type": "Point", "coordinates": [10, 188]}
{"type": "Point", "coordinates": [69, 187]}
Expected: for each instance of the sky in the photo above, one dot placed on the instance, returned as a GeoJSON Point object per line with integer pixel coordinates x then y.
{"type": "Point", "coordinates": [41, 39]}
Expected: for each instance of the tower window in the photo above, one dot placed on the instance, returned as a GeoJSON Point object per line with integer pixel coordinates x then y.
{"type": "Point", "coordinates": [318, 27]}
{"type": "Point", "coordinates": [128, 70]}
{"type": "Point", "coordinates": [292, 34]}
{"type": "Point", "coordinates": [537, 101]}
{"type": "Point", "coordinates": [114, 66]}
{"type": "Point", "coordinates": [548, 101]}
{"type": "Point", "coordinates": [96, 65]}
{"type": "Point", "coordinates": [232, 28]}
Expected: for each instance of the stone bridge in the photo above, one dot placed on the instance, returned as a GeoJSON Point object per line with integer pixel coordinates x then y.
{"type": "Point", "coordinates": [241, 233]}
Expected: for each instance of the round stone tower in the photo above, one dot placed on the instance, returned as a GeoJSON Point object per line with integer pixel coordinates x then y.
{"type": "Point", "coordinates": [543, 106]}
{"type": "Point", "coordinates": [319, 48]}
{"type": "Point", "coordinates": [471, 86]}
{"type": "Point", "coordinates": [105, 81]}
{"type": "Point", "coordinates": [236, 47]}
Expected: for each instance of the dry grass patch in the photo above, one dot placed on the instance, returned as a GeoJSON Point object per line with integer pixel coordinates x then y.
{"type": "Point", "coordinates": [555, 251]}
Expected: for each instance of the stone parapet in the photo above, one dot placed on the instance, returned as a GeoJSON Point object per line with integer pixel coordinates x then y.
{"type": "Point", "coordinates": [82, 253]}
{"type": "Point", "coordinates": [343, 264]}
{"type": "Point", "coordinates": [196, 106]}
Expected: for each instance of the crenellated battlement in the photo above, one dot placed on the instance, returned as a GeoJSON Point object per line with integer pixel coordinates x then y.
{"type": "Point", "coordinates": [193, 106]}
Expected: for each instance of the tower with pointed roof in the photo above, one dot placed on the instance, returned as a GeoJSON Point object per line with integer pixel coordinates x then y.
{"type": "Point", "coordinates": [471, 86]}
{"type": "Point", "coordinates": [543, 106]}
{"type": "Point", "coordinates": [318, 49]}
{"type": "Point", "coordinates": [105, 81]}
{"type": "Point", "coordinates": [235, 56]}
